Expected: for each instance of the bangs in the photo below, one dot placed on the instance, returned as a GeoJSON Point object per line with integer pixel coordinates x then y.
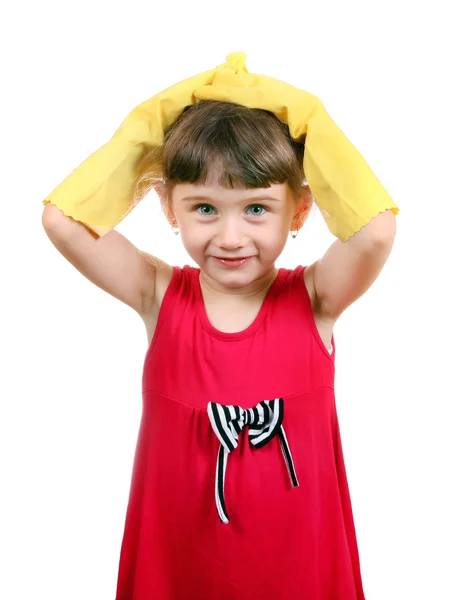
{"type": "Point", "coordinates": [247, 147]}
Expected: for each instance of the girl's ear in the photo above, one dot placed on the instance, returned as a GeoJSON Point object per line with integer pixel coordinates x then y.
{"type": "Point", "coordinates": [161, 191]}
{"type": "Point", "coordinates": [304, 205]}
{"type": "Point", "coordinates": [159, 186]}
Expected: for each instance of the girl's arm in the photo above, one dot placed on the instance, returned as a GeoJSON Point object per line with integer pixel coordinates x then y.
{"type": "Point", "coordinates": [111, 262]}
{"type": "Point", "coordinates": [348, 269]}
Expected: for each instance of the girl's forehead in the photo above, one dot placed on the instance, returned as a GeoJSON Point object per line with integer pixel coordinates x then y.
{"type": "Point", "coordinates": [276, 193]}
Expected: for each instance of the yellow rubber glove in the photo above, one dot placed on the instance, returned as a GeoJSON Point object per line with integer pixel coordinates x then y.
{"type": "Point", "coordinates": [99, 191]}
{"type": "Point", "coordinates": [343, 185]}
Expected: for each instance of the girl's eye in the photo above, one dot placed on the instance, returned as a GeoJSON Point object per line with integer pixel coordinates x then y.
{"type": "Point", "coordinates": [207, 206]}
{"type": "Point", "coordinates": [258, 207]}
{"type": "Point", "coordinates": [210, 208]}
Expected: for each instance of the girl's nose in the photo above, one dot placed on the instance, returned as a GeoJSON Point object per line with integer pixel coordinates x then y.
{"type": "Point", "coordinates": [230, 236]}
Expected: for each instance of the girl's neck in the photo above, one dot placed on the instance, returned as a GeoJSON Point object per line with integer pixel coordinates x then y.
{"type": "Point", "coordinates": [254, 289]}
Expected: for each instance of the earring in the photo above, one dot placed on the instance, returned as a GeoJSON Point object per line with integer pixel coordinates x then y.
{"type": "Point", "coordinates": [176, 230]}
{"type": "Point", "coordinates": [296, 233]}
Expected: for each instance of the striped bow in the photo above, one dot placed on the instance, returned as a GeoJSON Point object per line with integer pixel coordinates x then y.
{"type": "Point", "coordinates": [264, 420]}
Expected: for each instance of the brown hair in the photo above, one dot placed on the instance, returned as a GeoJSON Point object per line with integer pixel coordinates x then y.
{"type": "Point", "coordinates": [250, 147]}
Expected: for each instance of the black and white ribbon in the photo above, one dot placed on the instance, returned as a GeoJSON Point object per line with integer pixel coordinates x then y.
{"type": "Point", "coordinates": [264, 420]}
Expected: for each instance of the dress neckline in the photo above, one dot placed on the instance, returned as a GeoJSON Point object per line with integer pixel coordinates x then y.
{"type": "Point", "coordinates": [238, 335]}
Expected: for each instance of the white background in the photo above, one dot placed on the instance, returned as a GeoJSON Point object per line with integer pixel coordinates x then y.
{"type": "Point", "coordinates": [72, 356]}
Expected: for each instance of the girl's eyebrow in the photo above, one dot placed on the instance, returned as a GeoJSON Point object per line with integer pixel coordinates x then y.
{"type": "Point", "coordinates": [212, 199]}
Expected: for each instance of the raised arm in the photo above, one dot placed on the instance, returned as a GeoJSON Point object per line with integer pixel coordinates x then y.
{"type": "Point", "coordinates": [111, 262]}
{"type": "Point", "coordinates": [348, 269]}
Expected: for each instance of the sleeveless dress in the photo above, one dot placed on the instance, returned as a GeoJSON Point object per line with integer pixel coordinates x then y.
{"type": "Point", "coordinates": [239, 490]}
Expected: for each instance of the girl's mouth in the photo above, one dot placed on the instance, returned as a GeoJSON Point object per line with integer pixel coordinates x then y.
{"type": "Point", "coordinates": [233, 263]}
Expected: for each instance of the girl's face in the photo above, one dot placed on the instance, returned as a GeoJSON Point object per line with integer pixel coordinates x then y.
{"type": "Point", "coordinates": [216, 222]}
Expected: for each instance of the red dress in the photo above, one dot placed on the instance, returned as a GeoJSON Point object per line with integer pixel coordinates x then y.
{"type": "Point", "coordinates": [269, 515]}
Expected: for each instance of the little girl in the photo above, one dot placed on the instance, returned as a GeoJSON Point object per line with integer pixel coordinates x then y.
{"type": "Point", "coordinates": [239, 488]}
